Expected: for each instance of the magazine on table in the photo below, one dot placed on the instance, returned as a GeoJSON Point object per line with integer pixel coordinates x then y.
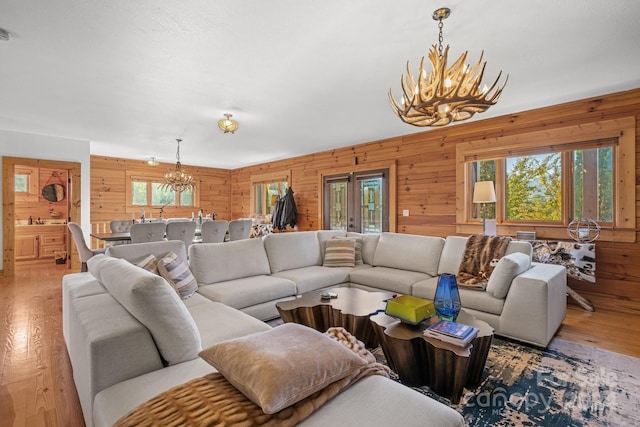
{"type": "Point", "coordinates": [452, 332]}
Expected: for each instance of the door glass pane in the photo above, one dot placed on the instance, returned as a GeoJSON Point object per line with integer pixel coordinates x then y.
{"type": "Point", "coordinates": [338, 206]}
{"type": "Point", "coordinates": [593, 184]}
{"type": "Point", "coordinates": [371, 205]}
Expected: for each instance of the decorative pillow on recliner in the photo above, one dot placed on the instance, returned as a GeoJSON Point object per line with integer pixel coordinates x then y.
{"type": "Point", "coordinates": [148, 262]}
{"type": "Point", "coordinates": [340, 253]}
{"type": "Point", "coordinates": [278, 368]}
{"type": "Point", "coordinates": [507, 269]}
{"type": "Point", "coordinates": [178, 274]}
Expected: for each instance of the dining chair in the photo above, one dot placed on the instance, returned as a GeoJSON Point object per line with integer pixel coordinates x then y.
{"type": "Point", "coordinates": [240, 229]}
{"type": "Point", "coordinates": [147, 232]}
{"type": "Point", "coordinates": [83, 250]}
{"type": "Point", "coordinates": [214, 231]}
{"type": "Point", "coordinates": [120, 225]}
{"type": "Point", "coordinates": [182, 230]}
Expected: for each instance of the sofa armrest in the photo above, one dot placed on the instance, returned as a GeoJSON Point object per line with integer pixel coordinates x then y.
{"type": "Point", "coordinates": [106, 345]}
{"type": "Point", "coordinates": [536, 304]}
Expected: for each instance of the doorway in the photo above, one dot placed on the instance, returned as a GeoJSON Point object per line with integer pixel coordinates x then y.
{"type": "Point", "coordinates": [357, 201]}
{"type": "Point", "coordinates": [9, 165]}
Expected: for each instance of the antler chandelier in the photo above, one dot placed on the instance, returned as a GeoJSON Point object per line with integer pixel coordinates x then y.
{"type": "Point", "coordinates": [445, 95]}
{"type": "Point", "coordinates": [178, 180]}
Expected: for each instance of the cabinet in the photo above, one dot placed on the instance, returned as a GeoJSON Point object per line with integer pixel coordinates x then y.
{"type": "Point", "coordinates": [36, 242]}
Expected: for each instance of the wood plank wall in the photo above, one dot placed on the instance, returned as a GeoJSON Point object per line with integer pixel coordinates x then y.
{"type": "Point", "coordinates": [109, 182]}
{"type": "Point", "coordinates": [426, 177]}
{"type": "Point", "coordinates": [426, 180]}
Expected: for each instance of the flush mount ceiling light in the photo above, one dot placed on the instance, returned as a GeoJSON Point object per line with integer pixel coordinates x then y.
{"type": "Point", "coordinates": [445, 95]}
{"type": "Point", "coordinates": [178, 180]}
{"type": "Point", "coordinates": [152, 162]}
{"type": "Point", "coordinates": [227, 125]}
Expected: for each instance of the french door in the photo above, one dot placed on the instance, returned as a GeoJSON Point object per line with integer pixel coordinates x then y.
{"type": "Point", "coordinates": [357, 201]}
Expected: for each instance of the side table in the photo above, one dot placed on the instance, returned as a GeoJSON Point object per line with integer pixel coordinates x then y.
{"type": "Point", "coordinates": [351, 310]}
{"type": "Point", "coordinates": [420, 360]}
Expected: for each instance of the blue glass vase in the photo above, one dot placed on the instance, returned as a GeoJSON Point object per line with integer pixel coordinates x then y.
{"type": "Point", "coordinates": [447, 298]}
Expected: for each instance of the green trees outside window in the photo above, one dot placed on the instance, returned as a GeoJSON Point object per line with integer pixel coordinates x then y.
{"type": "Point", "coordinates": [532, 185]}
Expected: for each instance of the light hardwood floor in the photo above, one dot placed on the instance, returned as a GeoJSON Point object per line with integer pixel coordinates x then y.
{"type": "Point", "coordinates": [36, 384]}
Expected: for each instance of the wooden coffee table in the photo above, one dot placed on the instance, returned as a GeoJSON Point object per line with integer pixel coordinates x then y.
{"type": "Point", "coordinates": [420, 360]}
{"type": "Point", "coordinates": [351, 310]}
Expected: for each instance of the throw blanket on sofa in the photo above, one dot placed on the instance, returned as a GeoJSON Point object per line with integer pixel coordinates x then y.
{"type": "Point", "coordinates": [212, 400]}
{"type": "Point", "coordinates": [481, 255]}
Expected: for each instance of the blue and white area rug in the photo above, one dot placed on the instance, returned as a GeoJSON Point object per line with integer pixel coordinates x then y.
{"type": "Point", "coordinates": [567, 384]}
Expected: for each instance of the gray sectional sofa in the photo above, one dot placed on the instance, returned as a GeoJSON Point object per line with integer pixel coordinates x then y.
{"type": "Point", "coordinates": [130, 336]}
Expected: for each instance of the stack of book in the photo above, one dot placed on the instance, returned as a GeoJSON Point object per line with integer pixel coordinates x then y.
{"type": "Point", "coordinates": [455, 333]}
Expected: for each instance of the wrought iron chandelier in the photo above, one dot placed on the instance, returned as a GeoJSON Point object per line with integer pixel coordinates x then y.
{"type": "Point", "coordinates": [178, 180]}
{"type": "Point", "coordinates": [445, 95]}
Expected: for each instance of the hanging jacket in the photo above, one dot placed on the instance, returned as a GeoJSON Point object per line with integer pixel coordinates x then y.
{"type": "Point", "coordinates": [276, 216]}
{"type": "Point", "coordinates": [289, 215]}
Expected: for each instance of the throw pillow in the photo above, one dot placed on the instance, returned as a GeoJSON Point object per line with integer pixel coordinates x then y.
{"type": "Point", "coordinates": [154, 303]}
{"type": "Point", "coordinates": [148, 262]}
{"type": "Point", "coordinates": [507, 269]}
{"type": "Point", "coordinates": [340, 253]}
{"type": "Point", "coordinates": [358, 245]}
{"type": "Point", "coordinates": [278, 368]}
{"type": "Point", "coordinates": [178, 274]}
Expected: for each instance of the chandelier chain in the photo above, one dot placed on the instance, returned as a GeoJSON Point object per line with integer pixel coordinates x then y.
{"type": "Point", "coordinates": [178, 151]}
{"type": "Point", "coordinates": [440, 38]}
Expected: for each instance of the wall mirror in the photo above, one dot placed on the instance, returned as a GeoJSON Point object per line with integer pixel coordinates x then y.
{"type": "Point", "coordinates": [53, 192]}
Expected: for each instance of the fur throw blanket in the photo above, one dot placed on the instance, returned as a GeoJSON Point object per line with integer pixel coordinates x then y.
{"type": "Point", "coordinates": [211, 400]}
{"type": "Point", "coordinates": [481, 255]}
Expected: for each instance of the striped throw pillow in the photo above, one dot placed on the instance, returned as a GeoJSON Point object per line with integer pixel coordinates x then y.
{"type": "Point", "coordinates": [178, 274]}
{"type": "Point", "coordinates": [359, 243]}
{"type": "Point", "coordinates": [148, 262]}
{"type": "Point", "coordinates": [340, 253]}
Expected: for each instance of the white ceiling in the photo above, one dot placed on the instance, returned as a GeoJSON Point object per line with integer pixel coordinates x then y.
{"type": "Point", "coordinates": [300, 76]}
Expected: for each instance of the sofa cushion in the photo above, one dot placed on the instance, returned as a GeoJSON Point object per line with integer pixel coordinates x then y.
{"type": "Point", "coordinates": [219, 262]}
{"type": "Point", "coordinates": [287, 251]}
{"type": "Point", "coordinates": [454, 247]}
{"type": "Point", "coordinates": [177, 273]}
{"type": "Point", "coordinates": [470, 298]}
{"type": "Point", "coordinates": [452, 253]}
{"type": "Point", "coordinates": [369, 244]}
{"type": "Point", "coordinates": [339, 253]}
{"type": "Point", "coordinates": [409, 252]}
{"type": "Point", "coordinates": [389, 279]}
{"type": "Point", "coordinates": [248, 291]}
{"type": "Point", "coordinates": [358, 242]}
{"type": "Point", "coordinates": [155, 304]}
{"type": "Point", "coordinates": [282, 366]}
{"type": "Point", "coordinates": [507, 269]}
{"type": "Point", "coordinates": [315, 277]}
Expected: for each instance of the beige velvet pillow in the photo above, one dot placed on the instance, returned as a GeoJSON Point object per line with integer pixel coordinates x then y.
{"type": "Point", "coordinates": [340, 253]}
{"type": "Point", "coordinates": [278, 368]}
